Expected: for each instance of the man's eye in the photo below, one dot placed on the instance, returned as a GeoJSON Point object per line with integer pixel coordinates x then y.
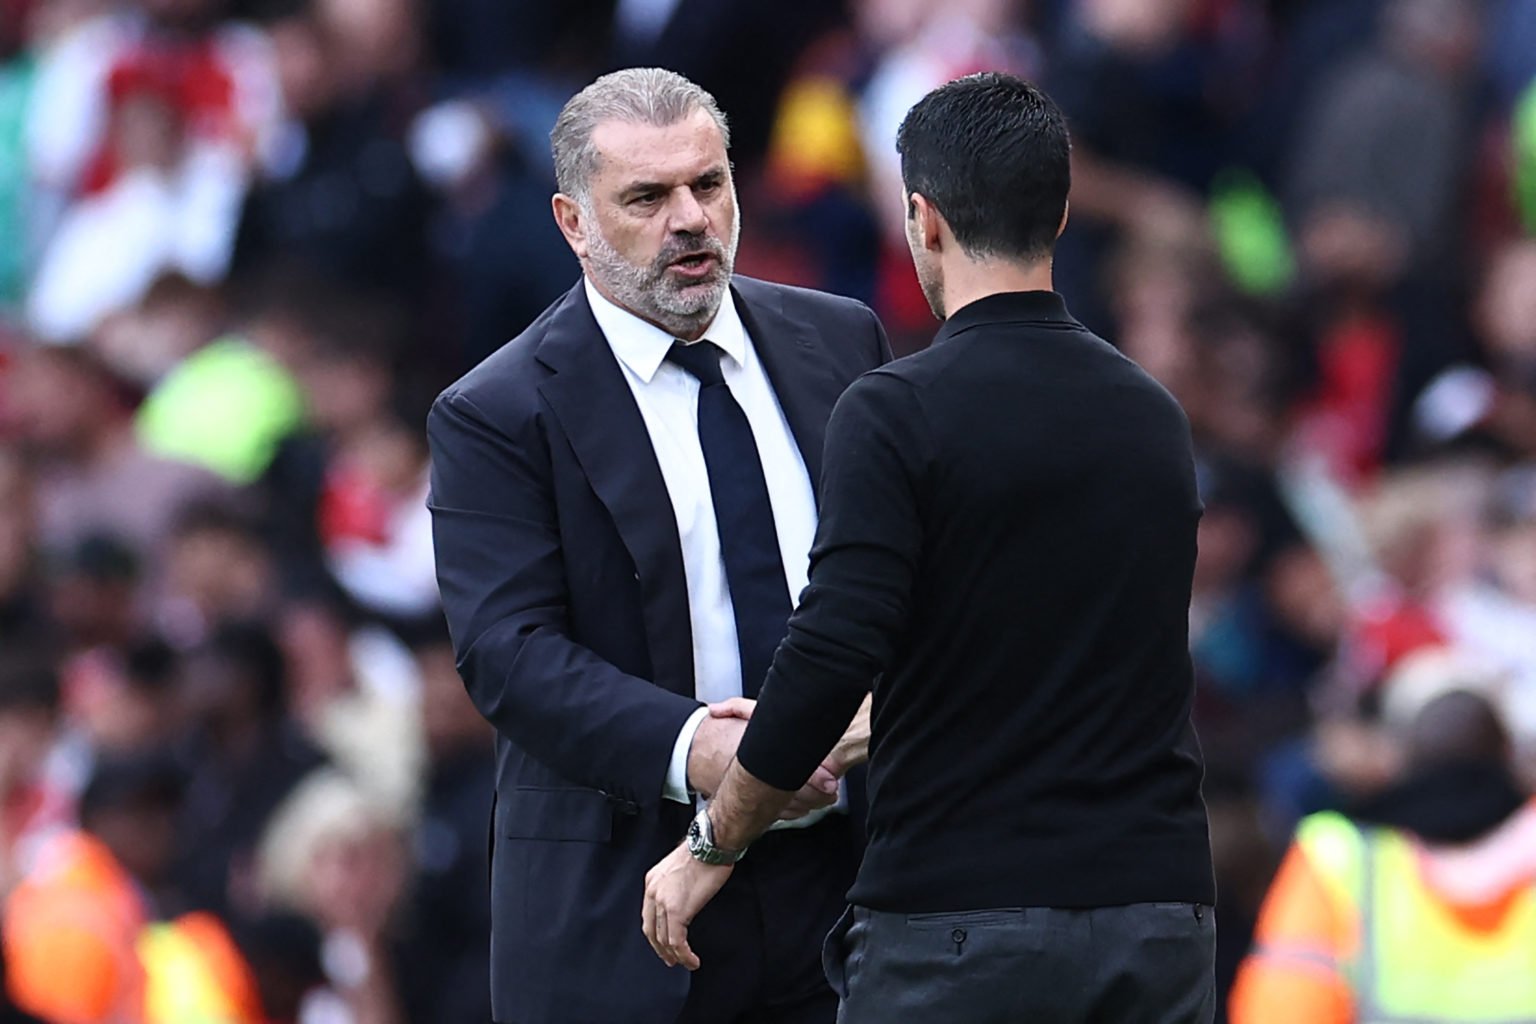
{"type": "Point", "coordinates": [648, 198]}
{"type": "Point", "coordinates": [708, 186]}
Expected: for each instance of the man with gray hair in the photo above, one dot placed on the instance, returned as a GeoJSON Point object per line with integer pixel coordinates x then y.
{"type": "Point", "coordinates": [623, 500]}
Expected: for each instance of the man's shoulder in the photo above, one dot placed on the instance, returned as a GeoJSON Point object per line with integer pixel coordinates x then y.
{"type": "Point", "coordinates": [844, 330]}
{"type": "Point", "coordinates": [797, 300]}
{"type": "Point", "coordinates": [887, 389]}
{"type": "Point", "coordinates": [512, 372]}
{"type": "Point", "coordinates": [911, 372]}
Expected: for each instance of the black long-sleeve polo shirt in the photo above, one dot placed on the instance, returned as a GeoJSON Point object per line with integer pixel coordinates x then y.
{"type": "Point", "coordinates": [1005, 553]}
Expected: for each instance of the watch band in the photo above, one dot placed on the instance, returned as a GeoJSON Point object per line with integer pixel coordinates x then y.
{"type": "Point", "coordinates": [701, 842]}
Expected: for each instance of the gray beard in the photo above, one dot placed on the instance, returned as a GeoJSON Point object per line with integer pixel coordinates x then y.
{"type": "Point", "coordinates": [647, 291]}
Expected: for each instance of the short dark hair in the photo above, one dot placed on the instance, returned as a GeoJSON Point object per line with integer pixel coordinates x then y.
{"type": "Point", "coordinates": [991, 152]}
{"type": "Point", "coordinates": [1458, 725]}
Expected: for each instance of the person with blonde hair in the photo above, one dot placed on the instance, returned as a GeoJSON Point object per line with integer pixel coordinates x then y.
{"type": "Point", "coordinates": [335, 854]}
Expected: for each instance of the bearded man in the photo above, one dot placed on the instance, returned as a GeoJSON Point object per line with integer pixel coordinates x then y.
{"type": "Point", "coordinates": [623, 499]}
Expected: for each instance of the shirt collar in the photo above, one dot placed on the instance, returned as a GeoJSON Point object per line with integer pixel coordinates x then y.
{"type": "Point", "coordinates": [643, 346]}
{"type": "Point", "coordinates": [1006, 307]}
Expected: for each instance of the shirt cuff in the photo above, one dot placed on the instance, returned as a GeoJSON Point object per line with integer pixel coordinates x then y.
{"type": "Point", "coordinates": [676, 787]}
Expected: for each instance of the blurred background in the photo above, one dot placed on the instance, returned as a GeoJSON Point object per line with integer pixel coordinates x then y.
{"type": "Point", "coordinates": [244, 242]}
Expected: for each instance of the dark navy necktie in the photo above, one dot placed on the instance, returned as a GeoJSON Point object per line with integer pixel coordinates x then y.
{"type": "Point", "coordinates": [749, 542]}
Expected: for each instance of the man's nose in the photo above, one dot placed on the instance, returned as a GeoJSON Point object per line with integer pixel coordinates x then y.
{"type": "Point", "coordinates": [687, 214]}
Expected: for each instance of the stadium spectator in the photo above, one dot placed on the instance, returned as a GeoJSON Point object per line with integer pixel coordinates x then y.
{"type": "Point", "coordinates": [225, 433]}
{"type": "Point", "coordinates": [1414, 904]}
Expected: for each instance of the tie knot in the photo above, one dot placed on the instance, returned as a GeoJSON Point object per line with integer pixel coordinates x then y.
{"type": "Point", "coordinates": [701, 359]}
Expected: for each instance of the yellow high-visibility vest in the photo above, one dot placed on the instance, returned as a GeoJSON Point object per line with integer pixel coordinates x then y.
{"type": "Point", "coordinates": [1416, 963]}
{"type": "Point", "coordinates": [188, 979]}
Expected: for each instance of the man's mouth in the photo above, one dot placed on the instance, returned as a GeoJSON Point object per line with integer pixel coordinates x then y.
{"type": "Point", "coordinates": [698, 264]}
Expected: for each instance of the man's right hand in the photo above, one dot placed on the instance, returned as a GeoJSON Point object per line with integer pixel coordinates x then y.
{"type": "Point", "coordinates": [820, 791]}
{"type": "Point", "coordinates": [714, 745]}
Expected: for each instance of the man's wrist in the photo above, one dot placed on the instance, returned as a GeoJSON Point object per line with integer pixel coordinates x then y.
{"type": "Point", "coordinates": [679, 787]}
{"type": "Point", "coordinates": [704, 847]}
{"type": "Point", "coordinates": [844, 759]}
{"type": "Point", "coordinates": [728, 832]}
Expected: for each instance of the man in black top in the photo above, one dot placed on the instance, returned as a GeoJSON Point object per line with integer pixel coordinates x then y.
{"type": "Point", "coordinates": [1005, 550]}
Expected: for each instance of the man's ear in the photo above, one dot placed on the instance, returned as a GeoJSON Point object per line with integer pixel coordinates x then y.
{"type": "Point", "coordinates": [930, 222]}
{"type": "Point", "coordinates": [572, 223]}
{"type": "Point", "coordinates": [1066, 209]}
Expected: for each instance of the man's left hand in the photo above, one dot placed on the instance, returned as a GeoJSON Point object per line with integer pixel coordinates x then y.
{"type": "Point", "coordinates": [676, 890]}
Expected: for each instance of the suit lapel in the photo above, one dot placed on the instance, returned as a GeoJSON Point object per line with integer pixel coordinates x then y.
{"type": "Point", "coordinates": [590, 398]}
{"type": "Point", "coordinates": [802, 381]}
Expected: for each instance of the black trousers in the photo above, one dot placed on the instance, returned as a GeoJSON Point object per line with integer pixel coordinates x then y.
{"type": "Point", "coordinates": [759, 942]}
{"type": "Point", "coordinates": [1149, 963]}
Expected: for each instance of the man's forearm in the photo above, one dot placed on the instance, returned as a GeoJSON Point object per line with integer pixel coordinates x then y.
{"type": "Point", "coordinates": [853, 749]}
{"type": "Point", "coordinates": [744, 807]}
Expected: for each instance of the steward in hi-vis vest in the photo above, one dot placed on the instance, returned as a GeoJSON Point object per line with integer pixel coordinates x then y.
{"type": "Point", "coordinates": [1420, 908]}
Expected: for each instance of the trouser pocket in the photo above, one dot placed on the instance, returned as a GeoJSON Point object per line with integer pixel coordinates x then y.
{"type": "Point", "coordinates": [834, 954]}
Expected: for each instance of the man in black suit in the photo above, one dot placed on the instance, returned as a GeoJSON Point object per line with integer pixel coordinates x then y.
{"type": "Point", "coordinates": [623, 500]}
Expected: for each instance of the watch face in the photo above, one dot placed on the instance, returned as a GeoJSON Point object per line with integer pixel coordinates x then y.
{"type": "Point", "coordinates": [701, 843]}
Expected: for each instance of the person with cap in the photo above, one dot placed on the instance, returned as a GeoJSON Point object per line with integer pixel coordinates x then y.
{"type": "Point", "coordinates": [1417, 904]}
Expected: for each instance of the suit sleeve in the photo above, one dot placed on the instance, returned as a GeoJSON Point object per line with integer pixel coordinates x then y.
{"type": "Point", "coordinates": [502, 574]}
{"type": "Point", "coordinates": [882, 353]}
{"type": "Point", "coordinates": [859, 598]}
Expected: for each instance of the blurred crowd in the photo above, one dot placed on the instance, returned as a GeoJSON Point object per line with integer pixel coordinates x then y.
{"type": "Point", "coordinates": [244, 242]}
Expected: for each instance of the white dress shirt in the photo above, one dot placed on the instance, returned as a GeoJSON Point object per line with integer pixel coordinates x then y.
{"type": "Point", "coordinates": [668, 398]}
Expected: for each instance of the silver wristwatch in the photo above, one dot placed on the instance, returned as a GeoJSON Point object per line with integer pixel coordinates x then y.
{"type": "Point", "coordinates": [701, 842]}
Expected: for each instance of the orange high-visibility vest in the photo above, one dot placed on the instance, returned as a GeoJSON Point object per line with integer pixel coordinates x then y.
{"type": "Point", "coordinates": [80, 949]}
{"type": "Point", "coordinates": [70, 930]}
{"type": "Point", "coordinates": [1351, 934]}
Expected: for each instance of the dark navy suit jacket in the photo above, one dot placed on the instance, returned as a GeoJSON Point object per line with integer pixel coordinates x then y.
{"type": "Point", "coordinates": [562, 579]}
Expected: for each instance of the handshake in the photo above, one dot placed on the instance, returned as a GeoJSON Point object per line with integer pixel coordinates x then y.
{"type": "Point", "coordinates": [714, 747]}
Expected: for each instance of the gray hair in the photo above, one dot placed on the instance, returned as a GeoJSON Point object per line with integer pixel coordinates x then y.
{"type": "Point", "coordinates": [651, 96]}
